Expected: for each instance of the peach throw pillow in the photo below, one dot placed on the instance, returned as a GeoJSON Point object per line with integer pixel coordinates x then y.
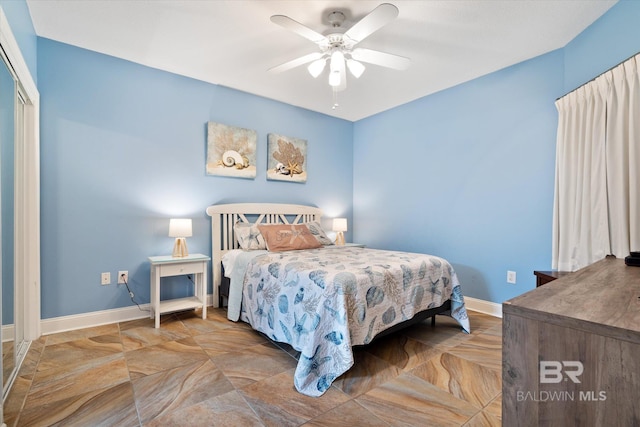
{"type": "Point", "coordinates": [288, 237]}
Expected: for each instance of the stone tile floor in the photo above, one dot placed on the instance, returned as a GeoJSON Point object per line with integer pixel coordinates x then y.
{"type": "Point", "coordinates": [215, 372]}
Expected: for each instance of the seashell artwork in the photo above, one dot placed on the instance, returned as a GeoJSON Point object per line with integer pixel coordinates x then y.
{"type": "Point", "coordinates": [233, 158]}
{"type": "Point", "coordinates": [231, 151]}
{"type": "Point", "coordinates": [287, 158]}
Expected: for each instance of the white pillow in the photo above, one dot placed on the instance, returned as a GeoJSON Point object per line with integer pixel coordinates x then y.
{"type": "Point", "coordinates": [249, 236]}
{"type": "Point", "coordinates": [316, 229]}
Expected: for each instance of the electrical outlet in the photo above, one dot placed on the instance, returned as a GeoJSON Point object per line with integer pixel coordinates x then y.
{"type": "Point", "coordinates": [105, 278]}
{"type": "Point", "coordinates": [123, 276]}
{"type": "Point", "coordinates": [511, 277]}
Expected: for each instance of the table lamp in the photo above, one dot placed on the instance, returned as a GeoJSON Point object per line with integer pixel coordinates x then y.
{"type": "Point", "coordinates": [340, 226]}
{"type": "Point", "coordinates": [180, 229]}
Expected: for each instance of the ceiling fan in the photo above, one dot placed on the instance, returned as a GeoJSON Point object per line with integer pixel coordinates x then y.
{"type": "Point", "coordinates": [339, 47]}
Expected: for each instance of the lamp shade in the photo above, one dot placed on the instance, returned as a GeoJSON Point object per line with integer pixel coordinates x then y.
{"type": "Point", "coordinates": [180, 227]}
{"type": "Point", "coordinates": [356, 68]}
{"type": "Point", "coordinates": [340, 224]}
{"type": "Point", "coordinates": [316, 67]}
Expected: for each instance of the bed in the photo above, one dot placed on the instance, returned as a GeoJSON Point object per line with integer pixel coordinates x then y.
{"type": "Point", "coordinates": [324, 300]}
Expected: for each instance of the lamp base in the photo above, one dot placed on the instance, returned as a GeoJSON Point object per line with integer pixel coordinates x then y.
{"type": "Point", "coordinates": [340, 238]}
{"type": "Point", "coordinates": [180, 248]}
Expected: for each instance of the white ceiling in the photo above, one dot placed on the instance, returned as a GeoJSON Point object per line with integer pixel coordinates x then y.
{"type": "Point", "coordinates": [233, 42]}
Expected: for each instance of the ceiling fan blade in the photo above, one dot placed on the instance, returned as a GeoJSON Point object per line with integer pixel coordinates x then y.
{"type": "Point", "coordinates": [376, 19]}
{"type": "Point", "coordinates": [381, 58]}
{"type": "Point", "coordinates": [292, 25]}
{"type": "Point", "coordinates": [295, 62]}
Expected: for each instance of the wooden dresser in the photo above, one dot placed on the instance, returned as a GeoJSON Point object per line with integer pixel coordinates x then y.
{"type": "Point", "coordinates": [571, 350]}
{"type": "Point", "coordinates": [544, 277]}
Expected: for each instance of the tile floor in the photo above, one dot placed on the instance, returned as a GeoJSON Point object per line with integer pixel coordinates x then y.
{"type": "Point", "coordinates": [213, 372]}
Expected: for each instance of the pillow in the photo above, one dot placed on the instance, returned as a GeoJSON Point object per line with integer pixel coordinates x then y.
{"type": "Point", "coordinates": [318, 233]}
{"type": "Point", "coordinates": [249, 236]}
{"type": "Point", "coordinates": [288, 237]}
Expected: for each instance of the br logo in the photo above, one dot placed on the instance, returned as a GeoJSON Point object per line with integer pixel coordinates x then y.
{"type": "Point", "coordinates": [552, 372]}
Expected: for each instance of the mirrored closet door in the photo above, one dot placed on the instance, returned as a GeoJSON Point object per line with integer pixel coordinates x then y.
{"type": "Point", "coordinates": [19, 208]}
{"type": "Point", "coordinates": [7, 182]}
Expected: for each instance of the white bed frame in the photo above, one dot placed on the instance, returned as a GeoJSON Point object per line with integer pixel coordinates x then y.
{"type": "Point", "coordinates": [223, 217]}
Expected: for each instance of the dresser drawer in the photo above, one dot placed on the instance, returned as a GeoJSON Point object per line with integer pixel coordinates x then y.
{"type": "Point", "coordinates": [179, 269]}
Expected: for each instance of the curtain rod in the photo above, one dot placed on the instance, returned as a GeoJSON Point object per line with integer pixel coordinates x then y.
{"type": "Point", "coordinates": [604, 72]}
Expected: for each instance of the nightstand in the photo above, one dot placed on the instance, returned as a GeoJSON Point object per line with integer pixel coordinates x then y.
{"type": "Point", "coordinates": [166, 266]}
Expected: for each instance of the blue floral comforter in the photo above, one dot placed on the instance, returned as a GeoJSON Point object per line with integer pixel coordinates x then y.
{"type": "Point", "coordinates": [324, 301]}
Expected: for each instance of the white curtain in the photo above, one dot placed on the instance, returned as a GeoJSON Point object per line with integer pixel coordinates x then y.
{"type": "Point", "coordinates": [597, 206]}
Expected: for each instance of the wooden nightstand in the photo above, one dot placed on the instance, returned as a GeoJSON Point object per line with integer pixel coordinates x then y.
{"type": "Point", "coordinates": [543, 277]}
{"type": "Point", "coordinates": [165, 266]}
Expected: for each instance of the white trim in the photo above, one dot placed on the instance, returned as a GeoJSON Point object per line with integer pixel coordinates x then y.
{"type": "Point", "coordinates": [106, 317]}
{"type": "Point", "coordinates": [27, 195]}
{"type": "Point", "coordinates": [11, 48]}
{"type": "Point", "coordinates": [98, 318]}
{"type": "Point", "coordinates": [482, 306]}
{"type": "Point", "coordinates": [7, 333]}
{"type": "Point", "coordinates": [27, 206]}
{"type": "Point", "coordinates": [95, 318]}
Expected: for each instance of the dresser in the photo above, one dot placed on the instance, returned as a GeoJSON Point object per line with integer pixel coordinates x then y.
{"type": "Point", "coordinates": [571, 350]}
{"type": "Point", "coordinates": [544, 277]}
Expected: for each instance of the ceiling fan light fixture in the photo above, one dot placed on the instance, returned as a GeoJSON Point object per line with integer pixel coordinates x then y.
{"type": "Point", "coordinates": [337, 68]}
{"type": "Point", "coordinates": [316, 67]}
{"type": "Point", "coordinates": [338, 48]}
{"type": "Point", "coordinates": [334, 78]}
{"type": "Point", "coordinates": [356, 68]}
{"type": "Point", "coordinates": [337, 59]}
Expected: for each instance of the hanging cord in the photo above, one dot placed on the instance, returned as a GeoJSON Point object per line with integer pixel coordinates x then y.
{"type": "Point", "coordinates": [131, 295]}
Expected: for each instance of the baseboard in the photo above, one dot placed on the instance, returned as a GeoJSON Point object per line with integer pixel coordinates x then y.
{"type": "Point", "coordinates": [95, 318]}
{"type": "Point", "coordinates": [482, 306]}
{"type": "Point", "coordinates": [105, 317]}
{"type": "Point", "coordinates": [98, 318]}
{"type": "Point", "coordinates": [7, 334]}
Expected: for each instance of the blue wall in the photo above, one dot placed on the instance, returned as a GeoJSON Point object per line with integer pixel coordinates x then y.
{"type": "Point", "coordinates": [608, 41]}
{"type": "Point", "coordinates": [123, 149]}
{"type": "Point", "coordinates": [19, 18]}
{"type": "Point", "coordinates": [466, 174]}
{"type": "Point", "coordinates": [472, 170]}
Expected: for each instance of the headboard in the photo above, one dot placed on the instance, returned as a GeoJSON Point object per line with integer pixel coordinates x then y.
{"type": "Point", "coordinates": [223, 217]}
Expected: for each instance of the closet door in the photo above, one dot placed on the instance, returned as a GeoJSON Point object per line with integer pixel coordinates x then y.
{"type": "Point", "coordinates": [7, 216]}
{"type": "Point", "coordinates": [19, 207]}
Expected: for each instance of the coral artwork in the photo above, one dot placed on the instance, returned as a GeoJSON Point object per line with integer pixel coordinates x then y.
{"type": "Point", "coordinates": [231, 151]}
{"type": "Point", "coordinates": [287, 160]}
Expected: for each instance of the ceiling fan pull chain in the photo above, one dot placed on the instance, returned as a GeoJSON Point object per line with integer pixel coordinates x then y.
{"type": "Point", "coordinates": [335, 99]}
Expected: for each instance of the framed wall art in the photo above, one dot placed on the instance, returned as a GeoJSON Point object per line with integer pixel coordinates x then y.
{"type": "Point", "coordinates": [231, 151]}
{"type": "Point", "coordinates": [287, 158]}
